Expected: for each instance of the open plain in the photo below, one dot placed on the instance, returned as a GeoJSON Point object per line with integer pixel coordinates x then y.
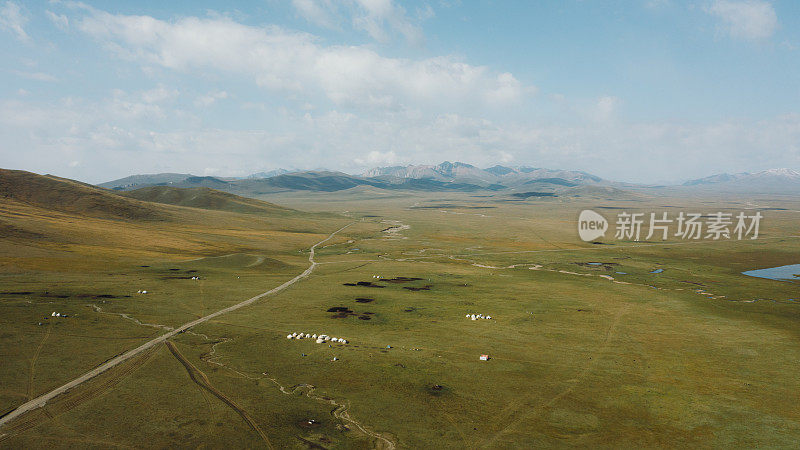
{"type": "Point", "coordinates": [589, 344]}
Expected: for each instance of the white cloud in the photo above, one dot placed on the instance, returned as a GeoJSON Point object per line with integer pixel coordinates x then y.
{"type": "Point", "coordinates": [605, 108]}
{"type": "Point", "coordinates": [319, 12]}
{"type": "Point", "coordinates": [376, 16]}
{"type": "Point", "coordinates": [59, 20]}
{"type": "Point", "coordinates": [12, 19]}
{"type": "Point", "coordinates": [746, 19]}
{"type": "Point", "coordinates": [159, 94]}
{"type": "Point", "coordinates": [380, 19]}
{"type": "Point", "coordinates": [508, 90]}
{"type": "Point", "coordinates": [121, 135]}
{"type": "Point", "coordinates": [657, 4]}
{"type": "Point", "coordinates": [37, 76]}
{"type": "Point", "coordinates": [376, 159]}
{"type": "Point", "coordinates": [296, 62]}
{"type": "Point", "coordinates": [505, 157]}
{"type": "Point", "coordinates": [210, 98]}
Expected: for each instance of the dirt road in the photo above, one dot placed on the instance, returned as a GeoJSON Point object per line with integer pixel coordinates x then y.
{"type": "Point", "coordinates": [40, 401]}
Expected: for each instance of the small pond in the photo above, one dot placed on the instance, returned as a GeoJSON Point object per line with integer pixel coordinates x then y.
{"type": "Point", "coordinates": [789, 272]}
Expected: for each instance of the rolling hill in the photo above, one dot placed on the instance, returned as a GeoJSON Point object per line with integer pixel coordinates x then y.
{"type": "Point", "coordinates": [137, 181]}
{"type": "Point", "coordinates": [204, 198]}
{"type": "Point", "coordinates": [69, 196]}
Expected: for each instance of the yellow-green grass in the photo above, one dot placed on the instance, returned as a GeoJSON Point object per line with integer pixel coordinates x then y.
{"type": "Point", "coordinates": [576, 359]}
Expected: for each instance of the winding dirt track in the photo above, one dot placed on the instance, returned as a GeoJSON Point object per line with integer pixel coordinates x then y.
{"type": "Point", "coordinates": [42, 400]}
{"type": "Point", "coordinates": [200, 378]}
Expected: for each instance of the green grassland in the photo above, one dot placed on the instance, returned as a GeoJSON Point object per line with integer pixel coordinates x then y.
{"type": "Point", "coordinates": [698, 355]}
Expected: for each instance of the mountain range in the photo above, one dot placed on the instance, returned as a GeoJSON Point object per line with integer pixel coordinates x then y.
{"type": "Point", "coordinates": [446, 176]}
{"type": "Point", "coordinates": [449, 176]}
{"type": "Point", "coordinates": [772, 181]}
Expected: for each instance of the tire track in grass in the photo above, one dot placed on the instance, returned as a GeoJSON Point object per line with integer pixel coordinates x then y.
{"type": "Point", "coordinates": [579, 378]}
{"type": "Point", "coordinates": [200, 378]}
{"type": "Point", "coordinates": [35, 358]}
{"type": "Point", "coordinates": [78, 396]}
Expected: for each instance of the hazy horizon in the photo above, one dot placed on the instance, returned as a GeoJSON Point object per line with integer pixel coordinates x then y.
{"type": "Point", "coordinates": [651, 91]}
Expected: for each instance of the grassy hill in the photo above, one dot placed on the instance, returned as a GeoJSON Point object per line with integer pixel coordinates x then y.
{"type": "Point", "coordinates": [205, 198]}
{"type": "Point", "coordinates": [60, 194]}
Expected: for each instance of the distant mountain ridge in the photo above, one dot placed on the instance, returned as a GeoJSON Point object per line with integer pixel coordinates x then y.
{"type": "Point", "coordinates": [778, 181]}
{"type": "Point", "coordinates": [497, 174]}
{"type": "Point", "coordinates": [268, 174]}
{"type": "Point", "coordinates": [447, 176]}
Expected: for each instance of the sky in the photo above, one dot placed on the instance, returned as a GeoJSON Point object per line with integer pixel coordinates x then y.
{"type": "Point", "coordinates": [646, 91]}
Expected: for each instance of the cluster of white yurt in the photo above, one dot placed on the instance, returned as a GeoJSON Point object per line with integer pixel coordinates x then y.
{"type": "Point", "coordinates": [141, 292]}
{"type": "Point", "coordinates": [478, 316]}
{"type": "Point", "coordinates": [319, 338]}
{"type": "Point", "coordinates": [195, 278]}
{"type": "Point", "coordinates": [377, 276]}
{"type": "Point", "coordinates": [57, 314]}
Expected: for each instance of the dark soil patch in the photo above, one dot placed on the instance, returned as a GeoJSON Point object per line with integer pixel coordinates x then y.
{"type": "Point", "coordinates": [16, 293]}
{"type": "Point", "coordinates": [49, 295]}
{"type": "Point", "coordinates": [400, 279]}
{"type": "Point", "coordinates": [410, 309]}
{"type": "Point", "coordinates": [364, 300]}
{"type": "Point", "coordinates": [364, 283]}
{"type": "Point", "coordinates": [144, 266]}
{"type": "Point", "coordinates": [427, 287]}
{"type": "Point", "coordinates": [365, 317]}
{"type": "Point", "coordinates": [174, 270]}
{"type": "Point", "coordinates": [176, 278]}
{"type": "Point", "coordinates": [342, 312]}
{"type": "Point", "coordinates": [101, 296]}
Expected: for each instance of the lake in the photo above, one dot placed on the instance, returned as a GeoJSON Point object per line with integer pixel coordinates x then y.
{"type": "Point", "coordinates": [789, 272]}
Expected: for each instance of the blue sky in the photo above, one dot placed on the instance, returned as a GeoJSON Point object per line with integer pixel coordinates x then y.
{"type": "Point", "coordinates": [643, 91]}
